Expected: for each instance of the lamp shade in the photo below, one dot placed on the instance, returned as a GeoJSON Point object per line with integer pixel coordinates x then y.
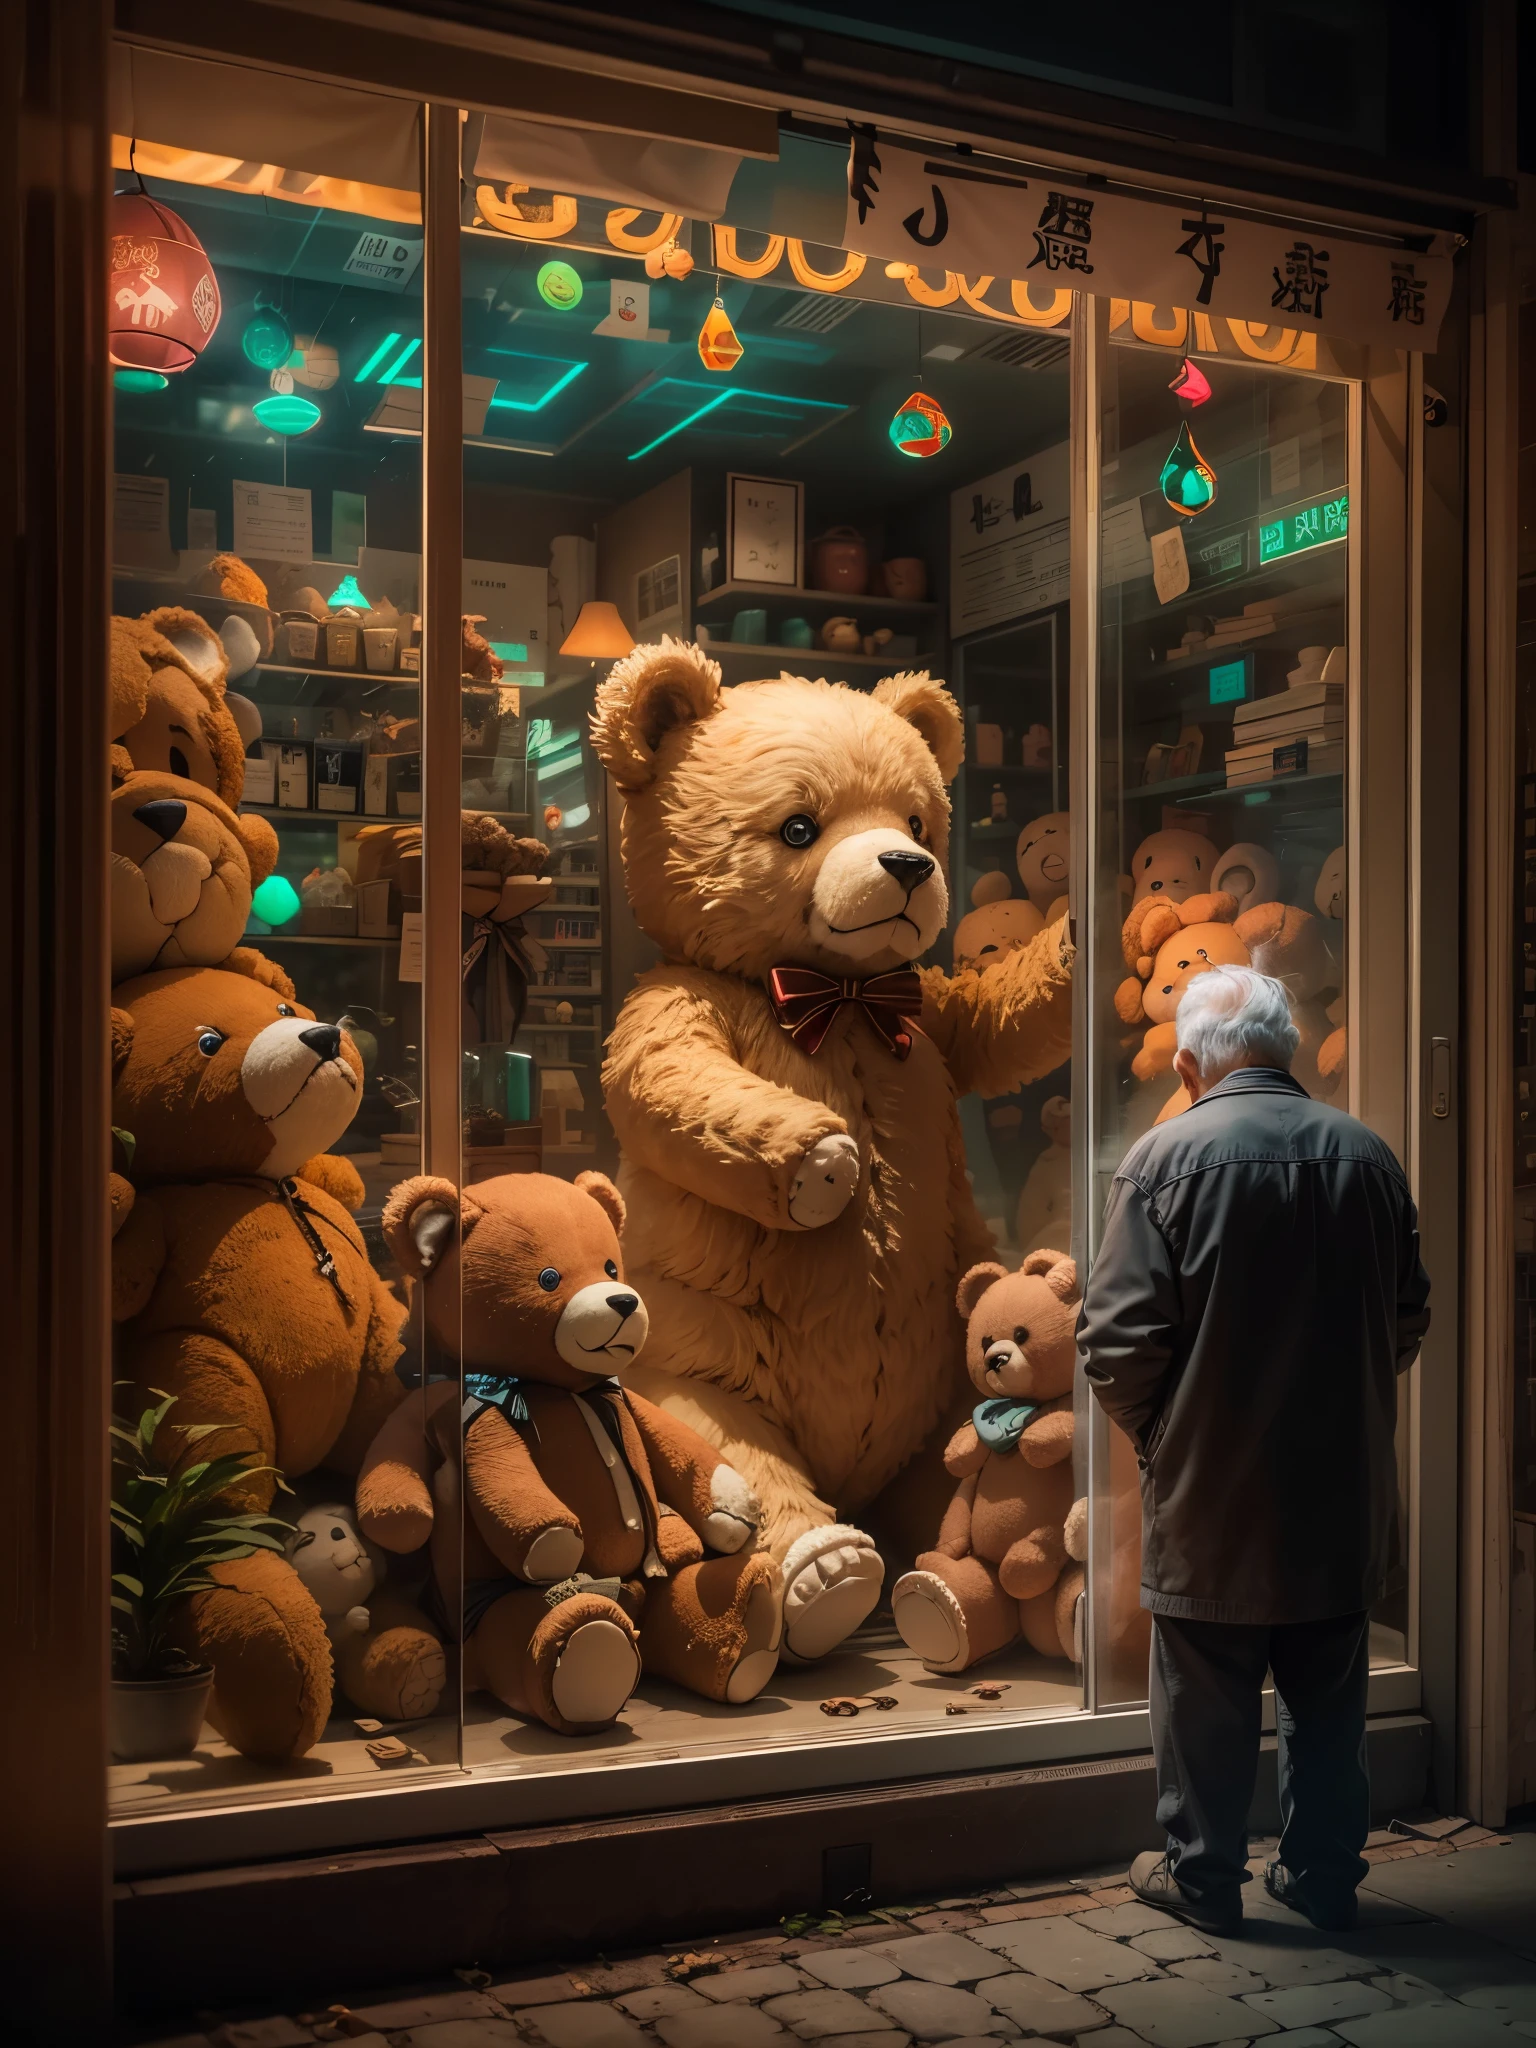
{"type": "Point", "coordinates": [162, 296]}
{"type": "Point", "coordinates": [599, 634]}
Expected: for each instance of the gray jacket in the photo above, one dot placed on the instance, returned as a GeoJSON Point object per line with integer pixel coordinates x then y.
{"type": "Point", "coordinates": [1257, 1292]}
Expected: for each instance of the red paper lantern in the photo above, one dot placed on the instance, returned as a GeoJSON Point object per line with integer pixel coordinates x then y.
{"type": "Point", "coordinates": [162, 297]}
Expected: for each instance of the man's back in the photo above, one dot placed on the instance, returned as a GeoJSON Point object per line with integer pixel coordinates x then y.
{"type": "Point", "coordinates": [1259, 1290]}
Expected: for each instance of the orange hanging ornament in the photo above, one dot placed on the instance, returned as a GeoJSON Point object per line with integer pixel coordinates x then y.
{"type": "Point", "coordinates": [719, 346]}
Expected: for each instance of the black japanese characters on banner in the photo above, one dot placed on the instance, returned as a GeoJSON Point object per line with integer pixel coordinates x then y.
{"type": "Point", "coordinates": [975, 220]}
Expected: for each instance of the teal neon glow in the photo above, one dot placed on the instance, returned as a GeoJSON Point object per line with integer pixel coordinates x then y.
{"type": "Point", "coordinates": [733, 394]}
{"type": "Point", "coordinates": [347, 593]}
{"type": "Point", "coordinates": [500, 404]}
{"type": "Point", "coordinates": [276, 901]}
{"type": "Point", "coordinates": [509, 650]}
{"type": "Point", "coordinates": [139, 380]}
{"type": "Point", "coordinates": [286, 413]}
{"type": "Point", "coordinates": [1303, 527]}
{"type": "Point", "coordinates": [392, 374]}
{"type": "Point", "coordinates": [268, 339]}
{"type": "Point", "coordinates": [376, 358]}
{"type": "Point", "coordinates": [1229, 682]}
{"type": "Point", "coordinates": [559, 286]}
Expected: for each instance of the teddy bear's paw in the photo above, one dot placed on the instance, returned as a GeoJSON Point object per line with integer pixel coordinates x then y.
{"type": "Point", "coordinates": [553, 1555]}
{"type": "Point", "coordinates": [832, 1580]}
{"type": "Point", "coordinates": [1074, 1532]}
{"type": "Point", "coordinates": [824, 1181]}
{"type": "Point", "coordinates": [762, 1632]}
{"type": "Point", "coordinates": [735, 1512]}
{"type": "Point", "coordinates": [930, 1620]}
{"type": "Point", "coordinates": [599, 1668]}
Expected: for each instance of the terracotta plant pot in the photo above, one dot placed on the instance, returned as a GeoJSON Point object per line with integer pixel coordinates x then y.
{"type": "Point", "coordinates": [840, 561]}
{"type": "Point", "coordinates": [155, 1718]}
{"type": "Point", "coordinates": [906, 577]}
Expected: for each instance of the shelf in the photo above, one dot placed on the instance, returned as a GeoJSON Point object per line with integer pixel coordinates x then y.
{"type": "Point", "coordinates": [1007, 828]}
{"type": "Point", "coordinates": [545, 989]}
{"type": "Point", "coordinates": [309, 939]}
{"type": "Point", "coordinates": [810, 656]}
{"type": "Point", "coordinates": [1180, 785]}
{"type": "Point", "coordinates": [775, 594]}
{"type": "Point", "coordinates": [283, 813]}
{"type": "Point", "coordinates": [1293, 629]}
{"type": "Point", "coordinates": [337, 675]}
{"type": "Point", "coordinates": [1305, 792]}
{"type": "Point", "coordinates": [1006, 768]}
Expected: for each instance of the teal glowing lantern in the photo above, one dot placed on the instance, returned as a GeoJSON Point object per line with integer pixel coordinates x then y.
{"type": "Point", "coordinates": [559, 286]}
{"type": "Point", "coordinates": [1187, 480]}
{"type": "Point", "coordinates": [920, 426]}
{"type": "Point", "coordinates": [268, 338]}
{"type": "Point", "coordinates": [276, 901]}
{"type": "Point", "coordinates": [347, 596]}
{"type": "Point", "coordinates": [286, 413]}
{"type": "Point", "coordinates": [139, 380]}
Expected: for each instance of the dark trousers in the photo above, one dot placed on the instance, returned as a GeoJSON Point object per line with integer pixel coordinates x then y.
{"type": "Point", "coordinates": [1206, 1684]}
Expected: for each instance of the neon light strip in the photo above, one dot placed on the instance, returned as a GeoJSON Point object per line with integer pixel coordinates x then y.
{"type": "Point", "coordinates": [392, 374]}
{"type": "Point", "coordinates": [500, 404]}
{"type": "Point", "coordinates": [772, 397]}
{"type": "Point", "coordinates": [376, 358]}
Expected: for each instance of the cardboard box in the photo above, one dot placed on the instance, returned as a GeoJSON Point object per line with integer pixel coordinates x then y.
{"type": "Point", "coordinates": [372, 905]}
{"type": "Point", "coordinates": [260, 780]}
{"type": "Point", "coordinates": [290, 766]}
{"type": "Point", "coordinates": [339, 775]}
{"type": "Point", "coordinates": [392, 786]}
{"type": "Point", "coordinates": [327, 923]}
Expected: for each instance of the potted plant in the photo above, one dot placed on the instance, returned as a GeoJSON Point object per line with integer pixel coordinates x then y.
{"type": "Point", "coordinates": [168, 1530]}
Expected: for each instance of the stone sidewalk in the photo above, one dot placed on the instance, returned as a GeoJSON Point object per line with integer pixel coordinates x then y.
{"type": "Point", "coordinates": [1445, 1957]}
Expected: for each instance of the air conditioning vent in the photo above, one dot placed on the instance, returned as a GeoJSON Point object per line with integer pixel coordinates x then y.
{"type": "Point", "coordinates": [817, 313]}
{"type": "Point", "coordinates": [1018, 351]}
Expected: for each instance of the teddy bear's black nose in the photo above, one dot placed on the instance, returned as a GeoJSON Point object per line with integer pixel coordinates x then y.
{"type": "Point", "coordinates": [323, 1040]}
{"type": "Point", "coordinates": [623, 1304]}
{"type": "Point", "coordinates": [165, 816]}
{"type": "Point", "coordinates": [910, 869]}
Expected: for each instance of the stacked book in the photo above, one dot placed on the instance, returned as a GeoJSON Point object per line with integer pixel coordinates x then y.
{"type": "Point", "coordinates": [1299, 731]}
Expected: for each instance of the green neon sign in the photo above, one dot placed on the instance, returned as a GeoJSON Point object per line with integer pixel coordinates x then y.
{"type": "Point", "coordinates": [1304, 526]}
{"type": "Point", "coordinates": [1229, 682]}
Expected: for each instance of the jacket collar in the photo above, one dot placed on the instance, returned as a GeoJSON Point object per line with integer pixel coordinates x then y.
{"type": "Point", "coordinates": [1254, 1081]}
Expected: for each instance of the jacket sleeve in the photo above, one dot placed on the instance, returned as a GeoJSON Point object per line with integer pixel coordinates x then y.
{"type": "Point", "coordinates": [1130, 1317]}
{"type": "Point", "coordinates": [1412, 1289]}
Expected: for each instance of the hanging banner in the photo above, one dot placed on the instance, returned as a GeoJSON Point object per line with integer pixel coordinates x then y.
{"type": "Point", "coordinates": [972, 219]}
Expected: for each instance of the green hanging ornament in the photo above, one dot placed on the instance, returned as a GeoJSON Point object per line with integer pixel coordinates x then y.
{"type": "Point", "coordinates": [1187, 480]}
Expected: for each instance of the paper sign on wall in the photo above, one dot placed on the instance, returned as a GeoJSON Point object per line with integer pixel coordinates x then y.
{"type": "Point", "coordinates": [1008, 547]}
{"type": "Point", "coordinates": [141, 522]}
{"type": "Point", "coordinates": [273, 523]}
{"type": "Point", "coordinates": [386, 260]}
{"type": "Point", "coordinates": [1170, 565]}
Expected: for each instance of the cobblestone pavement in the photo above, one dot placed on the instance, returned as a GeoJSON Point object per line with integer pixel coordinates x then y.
{"type": "Point", "coordinates": [1444, 1957]}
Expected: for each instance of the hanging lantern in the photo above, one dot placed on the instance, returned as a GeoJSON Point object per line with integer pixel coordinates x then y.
{"type": "Point", "coordinates": [163, 298]}
{"type": "Point", "coordinates": [558, 285]}
{"type": "Point", "coordinates": [719, 346]}
{"type": "Point", "coordinates": [268, 338]}
{"type": "Point", "coordinates": [1187, 480]}
{"type": "Point", "coordinates": [286, 413]}
{"type": "Point", "coordinates": [1191, 384]}
{"type": "Point", "coordinates": [920, 426]}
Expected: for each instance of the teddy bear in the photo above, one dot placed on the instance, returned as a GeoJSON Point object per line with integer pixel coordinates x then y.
{"type": "Point", "coordinates": [1044, 856]}
{"type": "Point", "coordinates": [259, 1309]}
{"type": "Point", "coordinates": [171, 709]}
{"type": "Point", "coordinates": [589, 1510]}
{"type": "Point", "coordinates": [992, 1575]}
{"type": "Point", "coordinates": [1172, 864]}
{"type": "Point", "coordinates": [1292, 945]}
{"type": "Point", "coordinates": [1247, 871]}
{"type": "Point", "coordinates": [983, 936]}
{"type": "Point", "coordinates": [1044, 1213]}
{"type": "Point", "coordinates": [783, 1088]}
{"type": "Point", "coordinates": [387, 1659]}
{"type": "Point", "coordinates": [1166, 942]}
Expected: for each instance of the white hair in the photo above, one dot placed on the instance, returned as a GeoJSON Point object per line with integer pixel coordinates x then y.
{"type": "Point", "coordinates": [1235, 1016]}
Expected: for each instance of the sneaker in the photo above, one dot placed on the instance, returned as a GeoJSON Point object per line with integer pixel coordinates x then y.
{"type": "Point", "coordinates": [1151, 1880]}
{"type": "Point", "coordinates": [1337, 1916]}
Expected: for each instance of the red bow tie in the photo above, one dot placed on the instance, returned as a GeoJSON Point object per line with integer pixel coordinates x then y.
{"type": "Point", "coordinates": [805, 1003]}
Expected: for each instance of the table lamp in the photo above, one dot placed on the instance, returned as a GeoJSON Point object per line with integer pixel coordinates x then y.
{"type": "Point", "coordinates": [599, 634]}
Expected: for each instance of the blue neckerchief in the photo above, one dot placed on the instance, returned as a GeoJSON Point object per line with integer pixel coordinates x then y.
{"type": "Point", "coordinates": [482, 1390]}
{"type": "Point", "coordinates": [1001, 1422]}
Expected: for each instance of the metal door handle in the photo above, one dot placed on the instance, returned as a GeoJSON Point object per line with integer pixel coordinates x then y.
{"type": "Point", "coordinates": [1439, 1077]}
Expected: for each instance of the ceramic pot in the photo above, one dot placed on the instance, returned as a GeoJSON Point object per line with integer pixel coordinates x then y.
{"type": "Point", "coordinates": [750, 628]}
{"type": "Point", "coordinates": [796, 633]}
{"type": "Point", "coordinates": [840, 561]}
{"type": "Point", "coordinates": [840, 636]}
{"type": "Point", "coordinates": [154, 1718]}
{"type": "Point", "coordinates": [906, 577]}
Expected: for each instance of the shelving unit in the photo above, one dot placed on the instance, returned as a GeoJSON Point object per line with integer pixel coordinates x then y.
{"type": "Point", "coordinates": [769, 596]}
{"type": "Point", "coordinates": [809, 656]}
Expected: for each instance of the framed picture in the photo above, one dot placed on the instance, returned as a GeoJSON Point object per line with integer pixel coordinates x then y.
{"type": "Point", "coordinates": [765, 531]}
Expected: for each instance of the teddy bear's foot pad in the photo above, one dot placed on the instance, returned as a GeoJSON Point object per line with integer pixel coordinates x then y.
{"type": "Point", "coordinates": [832, 1581]}
{"type": "Point", "coordinates": [931, 1621]}
{"type": "Point", "coordinates": [759, 1659]}
{"type": "Point", "coordinates": [599, 1668]}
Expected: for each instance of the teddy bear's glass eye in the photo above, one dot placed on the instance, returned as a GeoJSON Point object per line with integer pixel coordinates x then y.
{"type": "Point", "coordinates": [286, 1010]}
{"type": "Point", "coordinates": [209, 1041]}
{"type": "Point", "coordinates": [1021, 1335]}
{"type": "Point", "coordinates": [799, 831]}
{"type": "Point", "coordinates": [1167, 988]}
{"type": "Point", "coordinates": [986, 1346]}
{"type": "Point", "coordinates": [916, 824]}
{"type": "Point", "coordinates": [611, 1269]}
{"type": "Point", "coordinates": [338, 1535]}
{"type": "Point", "coordinates": [549, 1279]}
{"type": "Point", "coordinates": [1182, 965]}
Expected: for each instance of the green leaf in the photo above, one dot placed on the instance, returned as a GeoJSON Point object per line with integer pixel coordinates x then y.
{"type": "Point", "coordinates": [123, 1606]}
{"type": "Point", "coordinates": [129, 1584]}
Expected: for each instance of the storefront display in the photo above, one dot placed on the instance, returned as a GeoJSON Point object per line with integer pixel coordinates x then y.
{"type": "Point", "coordinates": [828, 854]}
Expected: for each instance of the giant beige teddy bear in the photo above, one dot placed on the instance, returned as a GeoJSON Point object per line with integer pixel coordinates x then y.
{"type": "Point", "coordinates": [784, 1088]}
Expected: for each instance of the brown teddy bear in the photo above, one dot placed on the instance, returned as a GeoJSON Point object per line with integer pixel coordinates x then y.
{"type": "Point", "coordinates": [582, 1553]}
{"type": "Point", "coordinates": [784, 1088]}
{"type": "Point", "coordinates": [1166, 942]}
{"type": "Point", "coordinates": [1172, 864]}
{"type": "Point", "coordinates": [259, 1310]}
{"type": "Point", "coordinates": [984, 935]}
{"type": "Point", "coordinates": [1043, 856]}
{"type": "Point", "coordinates": [171, 710]}
{"type": "Point", "coordinates": [993, 1574]}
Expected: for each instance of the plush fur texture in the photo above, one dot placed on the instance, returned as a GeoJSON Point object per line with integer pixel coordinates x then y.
{"type": "Point", "coordinates": [229, 1310]}
{"type": "Point", "coordinates": [1043, 855]}
{"type": "Point", "coordinates": [816, 1350]}
{"type": "Point", "coordinates": [992, 1574]}
{"type": "Point", "coordinates": [523, 1275]}
{"type": "Point", "coordinates": [184, 866]}
{"type": "Point", "coordinates": [1171, 865]}
{"type": "Point", "coordinates": [168, 705]}
{"type": "Point", "coordinates": [984, 935]}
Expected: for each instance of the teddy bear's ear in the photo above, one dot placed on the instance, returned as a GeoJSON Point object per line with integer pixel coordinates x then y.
{"type": "Point", "coordinates": [1128, 1004]}
{"type": "Point", "coordinates": [1057, 1270]}
{"type": "Point", "coordinates": [974, 1284]}
{"type": "Point", "coordinates": [647, 695]}
{"type": "Point", "coordinates": [1217, 908]}
{"type": "Point", "coordinates": [606, 1196]}
{"type": "Point", "coordinates": [128, 674]}
{"type": "Point", "coordinates": [420, 1219]}
{"type": "Point", "coordinates": [122, 1041]}
{"type": "Point", "coordinates": [927, 706]}
{"type": "Point", "coordinates": [194, 640]}
{"type": "Point", "coordinates": [246, 960]}
{"type": "Point", "coordinates": [1149, 923]}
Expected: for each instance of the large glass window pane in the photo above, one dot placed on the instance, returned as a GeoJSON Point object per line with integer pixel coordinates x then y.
{"type": "Point", "coordinates": [266, 849]}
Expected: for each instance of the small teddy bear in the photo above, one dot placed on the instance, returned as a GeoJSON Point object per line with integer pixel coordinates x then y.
{"type": "Point", "coordinates": [1172, 865]}
{"type": "Point", "coordinates": [1043, 856]}
{"type": "Point", "coordinates": [388, 1661]}
{"type": "Point", "coordinates": [985, 935]}
{"type": "Point", "coordinates": [1045, 1201]}
{"type": "Point", "coordinates": [588, 1511]}
{"type": "Point", "coordinates": [992, 1576]}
